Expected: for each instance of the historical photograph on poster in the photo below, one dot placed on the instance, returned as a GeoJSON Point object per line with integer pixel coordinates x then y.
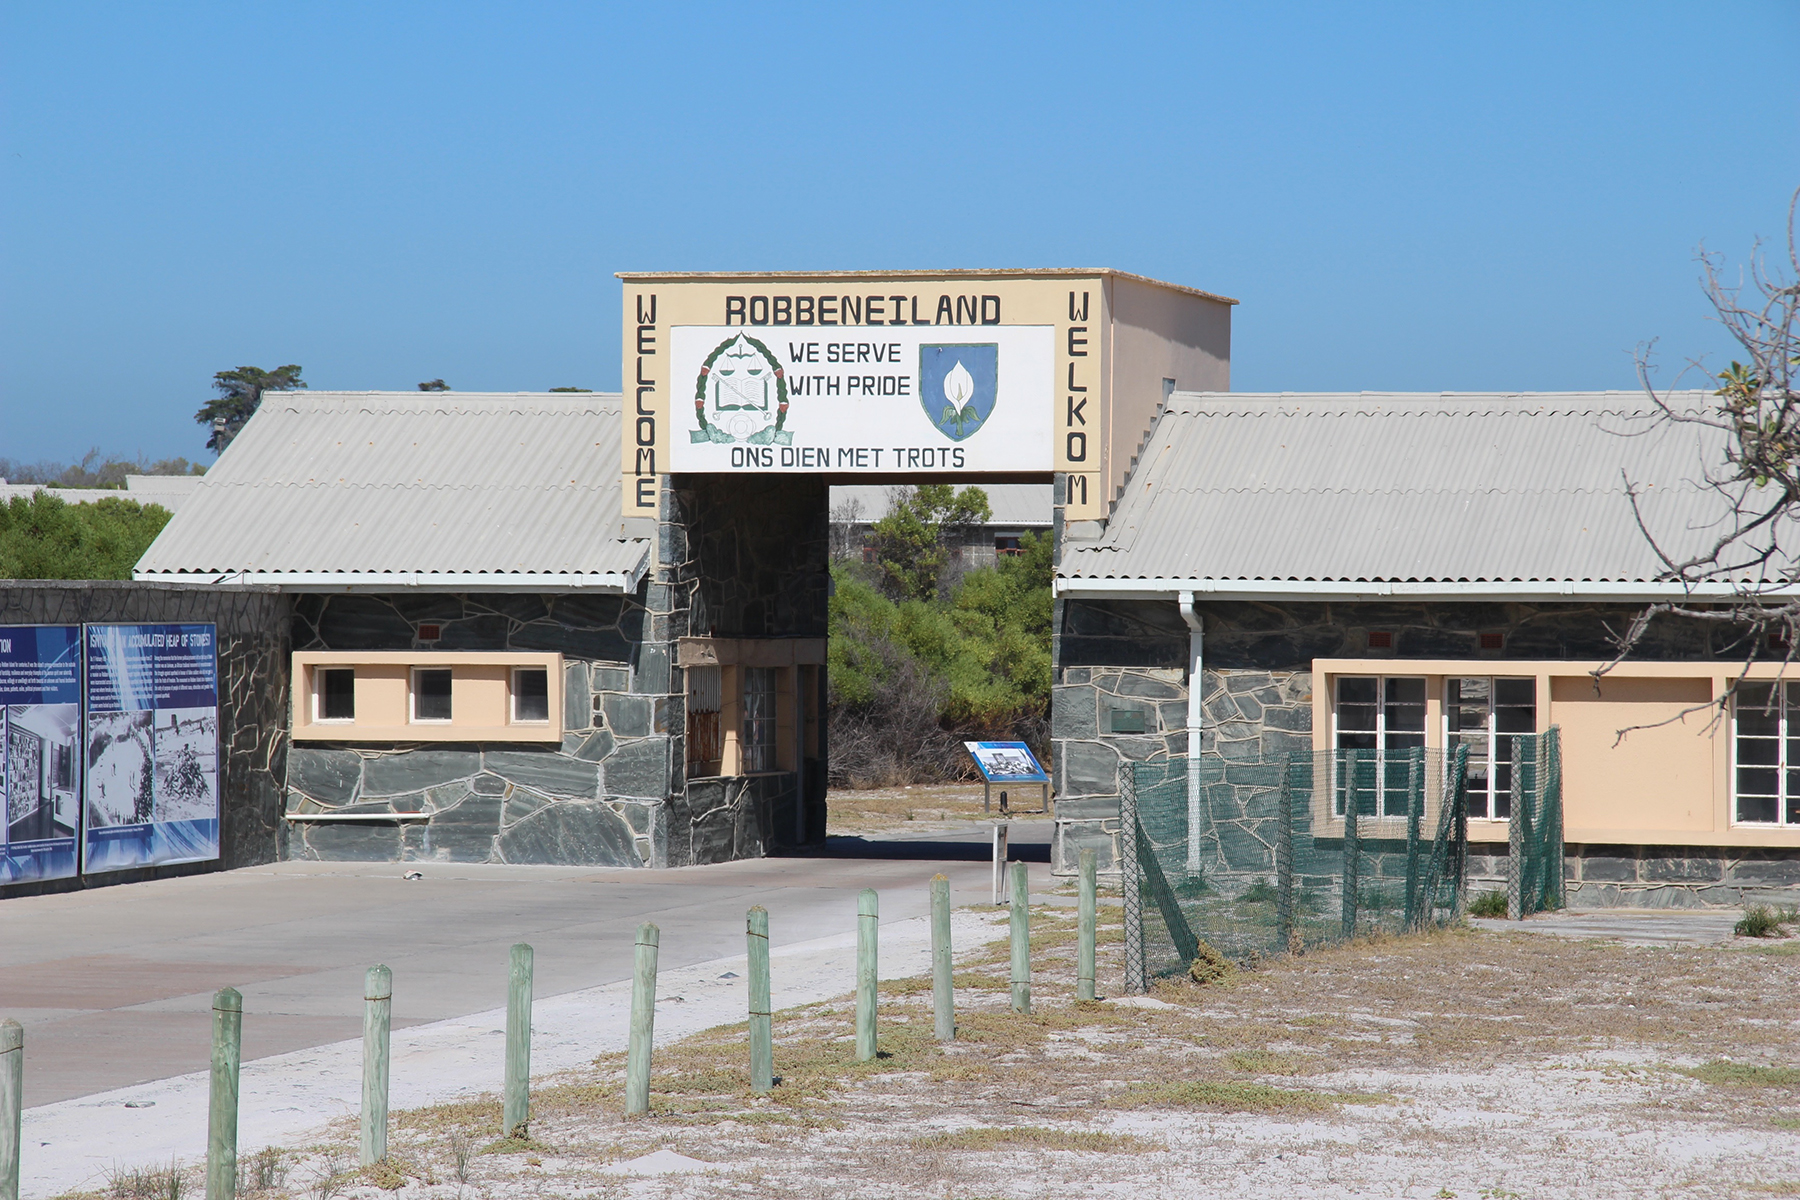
{"type": "Point", "coordinates": [121, 757]}
{"type": "Point", "coordinates": [187, 764]}
{"type": "Point", "coordinates": [1005, 761]}
{"type": "Point", "coordinates": [40, 738]}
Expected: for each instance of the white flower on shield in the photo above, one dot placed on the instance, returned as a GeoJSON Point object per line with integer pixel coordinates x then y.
{"type": "Point", "coordinates": [959, 388]}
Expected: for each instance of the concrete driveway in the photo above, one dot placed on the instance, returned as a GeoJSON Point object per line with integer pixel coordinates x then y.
{"type": "Point", "coordinates": [114, 985]}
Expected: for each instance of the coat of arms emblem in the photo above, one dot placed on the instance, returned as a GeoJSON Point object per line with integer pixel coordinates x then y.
{"type": "Point", "coordinates": [958, 385]}
{"type": "Point", "coordinates": [741, 395]}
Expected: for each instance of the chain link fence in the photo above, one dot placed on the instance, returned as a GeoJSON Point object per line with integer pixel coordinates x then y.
{"type": "Point", "coordinates": [1262, 858]}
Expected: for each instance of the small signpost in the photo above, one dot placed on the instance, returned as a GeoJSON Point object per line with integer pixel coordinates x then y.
{"type": "Point", "coordinates": [1004, 764]}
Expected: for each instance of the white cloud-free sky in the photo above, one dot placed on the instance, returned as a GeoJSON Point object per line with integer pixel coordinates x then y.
{"type": "Point", "coordinates": [1422, 196]}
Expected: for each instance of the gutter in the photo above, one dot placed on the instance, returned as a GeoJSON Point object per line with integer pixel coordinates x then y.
{"type": "Point", "coordinates": [1196, 685]}
{"type": "Point", "coordinates": [1360, 589]}
{"type": "Point", "coordinates": [389, 581]}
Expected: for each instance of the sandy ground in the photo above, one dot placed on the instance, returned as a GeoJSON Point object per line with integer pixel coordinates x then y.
{"type": "Point", "coordinates": [1463, 1063]}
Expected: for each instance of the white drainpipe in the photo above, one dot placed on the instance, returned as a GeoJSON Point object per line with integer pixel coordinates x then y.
{"type": "Point", "coordinates": [1195, 687]}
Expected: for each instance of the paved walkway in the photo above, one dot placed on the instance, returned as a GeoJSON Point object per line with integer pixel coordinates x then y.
{"type": "Point", "coordinates": [1633, 926]}
{"type": "Point", "coordinates": [114, 985]}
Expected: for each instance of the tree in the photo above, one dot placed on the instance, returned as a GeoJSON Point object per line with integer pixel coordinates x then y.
{"type": "Point", "coordinates": [924, 527]}
{"type": "Point", "coordinates": [240, 393]}
{"type": "Point", "coordinates": [434, 385]}
{"type": "Point", "coordinates": [1754, 491]}
{"type": "Point", "coordinates": [46, 537]}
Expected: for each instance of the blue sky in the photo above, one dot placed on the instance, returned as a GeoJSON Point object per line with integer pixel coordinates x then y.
{"type": "Point", "coordinates": [1413, 197]}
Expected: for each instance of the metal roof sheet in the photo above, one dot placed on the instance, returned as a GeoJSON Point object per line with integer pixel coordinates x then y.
{"type": "Point", "coordinates": [1410, 487]}
{"type": "Point", "coordinates": [1021, 505]}
{"type": "Point", "coordinates": [403, 483]}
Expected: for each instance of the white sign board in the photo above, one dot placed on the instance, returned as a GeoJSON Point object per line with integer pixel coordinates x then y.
{"type": "Point", "coordinates": [888, 400]}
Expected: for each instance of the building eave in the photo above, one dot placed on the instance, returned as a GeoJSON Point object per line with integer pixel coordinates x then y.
{"type": "Point", "coordinates": [1532, 590]}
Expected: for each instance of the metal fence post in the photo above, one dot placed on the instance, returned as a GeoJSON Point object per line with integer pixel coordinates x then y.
{"type": "Point", "coordinates": [12, 1104]}
{"type": "Point", "coordinates": [943, 987]}
{"type": "Point", "coordinates": [867, 926]}
{"type": "Point", "coordinates": [1284, 857]}
{"type": "Point", "coordinates": [1130, 878]}
{"type": "Point", "coordinates": [378, 1006]}
{"type": "Point", "coordinates": [1515, 836]}
{"type": "Point", "coordinates": [762, 1021]}
{"type": "Point", "coordinates": [643, 1019]}
{"type": "Point", "coordinates": [1415, 812]}
{"type": "Point", "coordinates": [222, 1110]}
{"type": "Point", "coordinates": [1021, 939]}
{"type": "Point", "coordinates": [1353, 839]}
{"type": "Point", "coordinates": [516, 1115]}
{"type": "Point", "coordinates": [1086, 921]}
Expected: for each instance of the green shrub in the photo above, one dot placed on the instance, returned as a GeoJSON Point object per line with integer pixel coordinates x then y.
{"type": "Point", "coordinates": [46, 537]}
{"type": "Point", "coordinates": [1488, 904]}
{"type": "Point", "coordinates": [1761, 921]}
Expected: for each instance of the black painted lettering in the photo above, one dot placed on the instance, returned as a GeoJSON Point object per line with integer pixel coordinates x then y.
{"type": "Point", "coordinates": [965, 304]}
{"type": "Point", "coordinates": [1078, 316]}
{"type": "Point", "coordinates": [646, 339]}
{"type": "Point", "coordinates": [781, 310]}
{"type": "Point", "coordinates": [641, 393]}
{"type": "Point", "coordinates": [646, 431]}
{"type": "Point", "coordinates": [734, 307]}
{"type": "Point", "coordinates": [646, 492]}
{"type": "Point", "coordinates": [1076, 406]}
{"type": "Point", "coordinates": [873, 311]}
{"type": "Point", "coordinates": [990, 310]}
{"type": "Point", "coordinates": [642, 382]}
{"type": "Point", "coordinates": [899, 317]}
{"type": "Point", "coordinates": [759, 310]}
{"type": "Point", "coordinates": [1077, 446]}
{"type": "Point", "coordinates": [648, 318]}
{"type": "Point", "coordinates": [945, 314]}
{"type": "Point", "coordinates": [828, 310]}
{"type": "Point", "coordinates": [852, 306]}
{"type": "Point", "coordinates": [646, 462]}
{"type": "Point", "coordinates": [915, 313]}
{"type": "Point", "coordinates": [1077, 341]}
{"type": "Point", "coordinates": [1073, 386]}
{"type": "Point", "coordinates": [803, 310]}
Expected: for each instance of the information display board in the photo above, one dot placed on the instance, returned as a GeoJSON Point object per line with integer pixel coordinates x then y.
{"type": "Point", "coordinates": [152, 745]}
{"type": "Point", "coordinates": [40, 725]}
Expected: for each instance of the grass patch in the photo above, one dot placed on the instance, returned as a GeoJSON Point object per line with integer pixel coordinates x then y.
{"type": "Point", "coordinates": [1734, 1074]}
{"type": "Point", "coordinates": [1488, 904]}
{"type": "Point", "coordinates": [1235, 1096]}
{"type": "Point", "coordinates": [1270, 1062]}
{"type": "Point", "coordinates": [1000, 1137]}
{"type": "Point", "coordinates": [1761, 921]}
{"type": "Point", "coordinates": [515, 1145]}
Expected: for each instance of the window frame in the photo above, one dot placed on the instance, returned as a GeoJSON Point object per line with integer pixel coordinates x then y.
{"type": "Point", "coordinates": [319, 717]}
{"type": "Point", "coordinates": [513, 693]}
{"type": "Point", "coordinates": [1786, 796]}
{"type": "Point", "coordinates": [413, 690]}
{"type": "Point", "coordinates": [1339, 805]}
{"type": "Point", "coordinates": [1493, 736]}
{"type": "Point", "coordinates": [759, 755]}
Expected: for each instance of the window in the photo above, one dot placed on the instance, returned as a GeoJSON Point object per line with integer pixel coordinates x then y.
{"type": "Point", "coordinates": [1004, 546]}
{"type": "Point", "coordinates": [530, 694]}
{"type": "Point", "coordinates": [759, 719]}
{"type": "Point", "coordinates": [1766, 720]}
{"type": "Point", "coordinates": [1378, 722]}
{"type": "Point", "coordinates": [431, 694]}
{"type": "Point", "coordinates": [336, 696]}
{"type": "Point", "coordinates": [705, 738]}
{"type": "Point", "coordinates": [1485, 715]}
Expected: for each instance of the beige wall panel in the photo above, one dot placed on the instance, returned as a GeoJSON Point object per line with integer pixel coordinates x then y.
{"type": "Point", "coordinates": [1159, 334]}
{"type": "Point", "coordinates": [1656, 781]}
{"type": "Point", "coordinates": [479, 697]}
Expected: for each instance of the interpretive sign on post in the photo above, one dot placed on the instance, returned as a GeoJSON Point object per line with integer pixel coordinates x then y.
{"type": "Point", "coordinates": [1003, 763]}
{"type": "Point", "coordinates": [152, 745]}
{"type": "Point", "coordinates": [40, 737]}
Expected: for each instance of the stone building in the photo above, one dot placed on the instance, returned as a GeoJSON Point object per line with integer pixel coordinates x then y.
{"type": "Point", "coordinates": [1393, 570]}
{"type": "Point", "coordinates": [485, 665]}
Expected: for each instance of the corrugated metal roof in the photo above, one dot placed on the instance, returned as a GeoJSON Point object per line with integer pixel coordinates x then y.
{"type": "Point", "coordinates": [1014, 505]}
{"type": "Point", "coordinates": [439, 483]}
{"type": "Point", "coordinates": [1410, 487]}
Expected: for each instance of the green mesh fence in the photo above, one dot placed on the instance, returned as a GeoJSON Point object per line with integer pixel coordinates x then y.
{"type": "Point", "coordinates": [1262, 858]}
{"type": "Point", "coordinates": [1535, 828]}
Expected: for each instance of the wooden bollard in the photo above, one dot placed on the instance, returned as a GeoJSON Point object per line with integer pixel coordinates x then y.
{"type": "Point", "coordinates": [867, 923]}
{"type": "Point", "coordinates": [1021, 939]}
{"type": "Point", "coordinates": [643, 1020]}
{"type": "Point", "coordinates": [12, 1104]}
{"type": "Point", "coordinates": [222, 1111]}
{"type": "Point", "coordinates": [378, 1012]}
{"type": "Point", "coordinates": [1085, 928]}
{"type": "Point", "coordinates": [943, 991]}
{"type": "Point", "coordinates": [515, 1119]}
{"type": "Point", "coordinates": [762, 1021]}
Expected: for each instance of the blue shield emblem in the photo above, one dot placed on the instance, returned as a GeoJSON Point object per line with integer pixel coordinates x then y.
{"type": "Point", "coordinates": [958, 385]}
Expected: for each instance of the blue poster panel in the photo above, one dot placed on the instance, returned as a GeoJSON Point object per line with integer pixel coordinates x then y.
{"type": "Point", "coordinates": [1006, 762]}
{"type": "Point", "coordinates": [40, 730]}
{"type": "Point", "coordinates": [152, 745]}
